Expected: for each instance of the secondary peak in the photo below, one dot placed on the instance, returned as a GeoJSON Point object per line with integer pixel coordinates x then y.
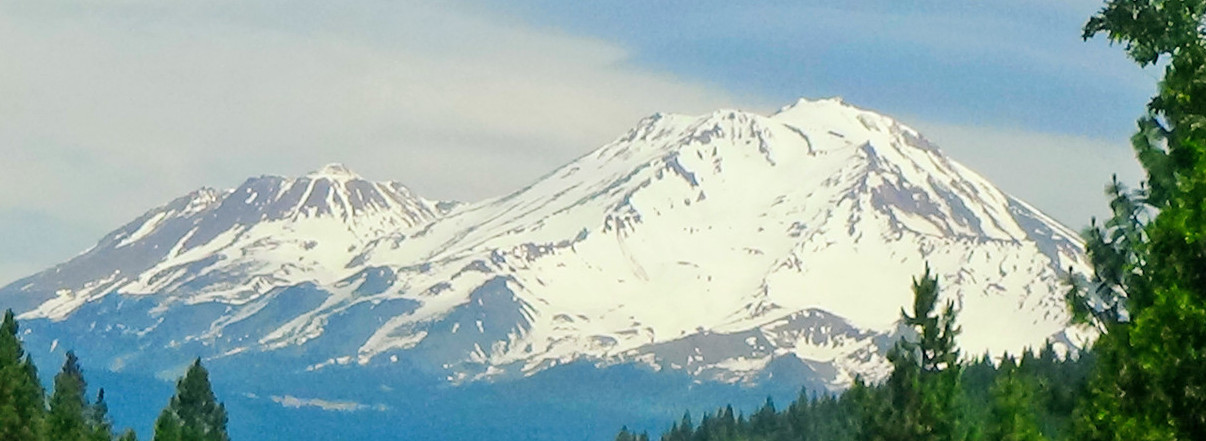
{"type": "Point", "coordinates": [333, 170]}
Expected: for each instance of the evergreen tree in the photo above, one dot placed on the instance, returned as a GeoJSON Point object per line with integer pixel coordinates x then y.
{"type": "Point", "coordinates": [852, 411]}
{"type": "Point", "coordinates": [167, 427]}
{"type": "Point", "coordinates": [728, 422]}
{"type": "Point", "coordinates": [893, 415]}
{"type": "Point", "coordinates": [625, 435]}
{"type": "Point", "coordinates": [128, 435]}
{"type": "Point", "coordinates": [921, 393]}
{"type": "Point", "coordinates": [194, 413]}
{"type": "Point", "coordinates": [1014, 416]}
{"type": "Point", "coordinates": [22, 402]}
{"type": "Point", "coordinates": [99, 426]}
{"type": "Point", "coordinates": [67, 420]}
{"type": "Point", "coordinates": [799, 417]}
{"type": "Point", "coordinates": [1150, 379]}
{"type": "Point", "coordinates": [763, 422]}
{"type": "Point", "coordinates": [682, 430]}
{"type": "Point", "coordinates": [1002, 403]}
{"type": "Point", "coordinates": [975, 392]}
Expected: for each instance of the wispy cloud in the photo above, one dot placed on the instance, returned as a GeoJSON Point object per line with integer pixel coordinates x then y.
{"type": "Point", "coordinates": [113, 107]}
{"type": "Point", "coordinates": [331, 405]}
{"type": "Point", "coordinates": [1007, 86]}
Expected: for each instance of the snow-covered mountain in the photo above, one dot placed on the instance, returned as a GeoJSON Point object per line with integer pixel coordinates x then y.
{"type": "Point", "coordinates": [232, 245]}
{"type": "Point", "coordinates": [731, 246]}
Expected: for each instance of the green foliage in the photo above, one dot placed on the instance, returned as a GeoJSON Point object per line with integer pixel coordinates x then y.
{"type": "Point", "coordinates": [936, 350]}
{"type": "Point", "coordinates": [930, 395]}
{"type": "Point", "coordinates": [923, 389]}
{"type": "Point", "coordinates": [24, 415]}
{"type": "Point", "coordinates": [66, 420]}
{"type": "Point", "coordinates": [97, 418]}
{"type": "Point", "coordinates": [1151, 384]}
{"type": "Point", "coordinates": [1030, 400]}
{"type": "Point", "coordinates": [167, 428]}
{"type": "Point", "coordinates": [897, 416]}
{"type": "Point", "coordinates": [625, 435]}
{"type": "Point", "coordinates": [71, 418]}
{"type": "Point", "coordinates": [194, 413]}
{"type": "Point", "coordinates": [22, 405]}
{"type": "Point", "coordinates": [1014, 413]}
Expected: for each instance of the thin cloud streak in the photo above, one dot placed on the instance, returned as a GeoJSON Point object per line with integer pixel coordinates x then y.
{"type": "Point", "coordinates": [111, 109]}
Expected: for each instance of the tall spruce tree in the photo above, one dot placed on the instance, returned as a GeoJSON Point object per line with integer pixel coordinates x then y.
{"type": "Point", "coordinates": [22, 402]}
{"type": "Point", "coordinates": [921, 392]}
{"type": "Point", "coordinates": [68, 417]}
{"type": "Point", "coordinates": [938, 355]}
{"type": "Point", "coordinates": [1150, 381]}
{"type": "Point", "coordinates": [194, 413]}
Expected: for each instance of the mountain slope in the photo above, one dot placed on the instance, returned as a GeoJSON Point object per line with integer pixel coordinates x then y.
{"type": "Point", "coordinates": [731, 246]}
{"type": "Point", "coordinates": [232, 245]}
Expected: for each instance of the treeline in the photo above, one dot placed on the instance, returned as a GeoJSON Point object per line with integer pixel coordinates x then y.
{"type": "Point", "coordinates": [930, 395]}
{"type": "Point", "coordinates": [67, 414]}
{"type": "Point", "coordinates": [1145, 376]}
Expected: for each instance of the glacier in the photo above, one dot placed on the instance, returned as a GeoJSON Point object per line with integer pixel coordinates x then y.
{"type": "Point", "coordinates": [729, 247]}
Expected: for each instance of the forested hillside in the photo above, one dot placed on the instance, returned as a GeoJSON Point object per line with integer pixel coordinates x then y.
{"type": "Point", "coordinates": [27, 413]}
{"type": "Point", "coordinates": [929, 396]}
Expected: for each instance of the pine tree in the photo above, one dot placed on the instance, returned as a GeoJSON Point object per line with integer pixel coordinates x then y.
{"type": "Point", "coordinates": [99, 426]}
{"type": "Point", "coordinates": [67, 420]}
{"type": "Point", "coordinates": [894, 414]}
{"type": "Point", "coordinates": [1150, 381]}
{"type": "Point", "coordinates": [681, 431]}
{"type": "Point", "coordinates": [128, 435]}
{"type": "Point", "coordinates": [1014, 415]}
{"type": "Point", "coordinates": [22, 402]}
{"type": "Point", "coordinates": [728, 422]}
{"type": "Point", "coordinates": [939, 357]}
{"type": "Point", "coordinates": [625, 435]}
{"type": "Point", "coordinates": [194, 413]}
{"type": "Point", "coordinates": [1002, 404]}
{"type": "Point", "coordinates": [855, 405]}
{"type": "Point", "coordinates": [921, 393]}
{"type": "Point", "coordinates": [763, 421]}
{"type": "Point", "coordinates": [167, 427]}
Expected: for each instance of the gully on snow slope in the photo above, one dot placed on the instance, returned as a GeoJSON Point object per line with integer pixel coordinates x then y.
{"type": "Point", "coordinates": [725, 245]}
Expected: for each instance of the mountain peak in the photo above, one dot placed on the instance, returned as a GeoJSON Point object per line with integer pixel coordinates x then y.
{"type": "Point", "coordinates": [717, 244]}
{"type": "Point", "coordinates": [334, 170]}
{"type": "Point", "coordinates": [804, 102]}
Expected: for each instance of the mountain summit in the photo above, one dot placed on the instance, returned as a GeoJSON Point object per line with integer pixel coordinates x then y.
{"type": "Point", "coordinates": [231, 245]}
{"type": "Point", "coordinates": [333, 170]}
{"type": "Point", "coordinates": [728, 246]}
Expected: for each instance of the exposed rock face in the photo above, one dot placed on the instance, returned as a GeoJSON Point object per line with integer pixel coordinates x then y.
{"type": "Point", "coordinates": [730, 246]}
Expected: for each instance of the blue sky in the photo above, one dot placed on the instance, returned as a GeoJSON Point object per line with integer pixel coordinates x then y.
{"type": "Point", "coordinates": [114, 107]}
{"type": "Point", "coordinates": [1017, 63]}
